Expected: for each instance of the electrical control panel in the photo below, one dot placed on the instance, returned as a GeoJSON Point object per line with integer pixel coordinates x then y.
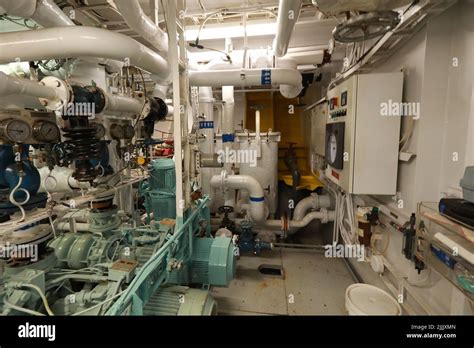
{"type": "Point", "coordinates": [362, 141]}
{"type": "Point", "coordinates": [319, 117]}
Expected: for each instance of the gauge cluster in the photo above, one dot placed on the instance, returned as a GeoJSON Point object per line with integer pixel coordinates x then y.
{"type": "Point", "coordinates": [29, 127]}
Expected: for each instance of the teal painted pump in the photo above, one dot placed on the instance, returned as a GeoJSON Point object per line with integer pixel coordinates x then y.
{"type": "Point", "coordinates": [188, 254]}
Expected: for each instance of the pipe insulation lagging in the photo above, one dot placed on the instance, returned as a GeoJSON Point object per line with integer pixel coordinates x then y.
{"type": "Point", "coordinates": [288, 14]}
{"type": "Point", "coordinates": [290, 80]}
{"type": "Point", "coordinates": [137, 20]}
{"type": "Point", "coordinates": [80, 42]}
{"type": "Point", "coordinates": [244, 182]}
{"type": "Point", "coordinates": [44, 12]}
{"type": "Point", "coordinates": [19, 86]}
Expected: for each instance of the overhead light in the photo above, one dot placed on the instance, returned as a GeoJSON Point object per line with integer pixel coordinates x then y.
{"type": "Point", "coordinates": [223, 31]}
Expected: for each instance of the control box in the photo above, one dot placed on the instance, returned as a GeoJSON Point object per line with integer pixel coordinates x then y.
{"type": "Point", "coordinates": [362, 134]}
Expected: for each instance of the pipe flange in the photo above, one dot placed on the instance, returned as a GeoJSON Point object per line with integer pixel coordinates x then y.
{"type": "Point", "coordinates": [325, 216]}
{"type": "Point", "coordinates": [63, 93]}
{"type": "Point", "coordinates": [223, 180]}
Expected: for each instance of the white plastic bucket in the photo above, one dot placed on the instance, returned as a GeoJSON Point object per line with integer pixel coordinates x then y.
{"type": "Point", "coordinates": [365, 299]}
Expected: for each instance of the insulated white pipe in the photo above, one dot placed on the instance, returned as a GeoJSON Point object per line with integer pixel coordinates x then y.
{"type": "Point", "coordinates": [244, 182]}
{"type": "Point", "coordinates": [18, 86]}
{"type": "Point", "coordinates": [206, 108]}
{"type": "Point", "coordinates": [288, 14]}
{"type": "Point", "coordinates": [290, 80]}
{"type": "Point", "coordinates": [79, 42]}
{"type": "Point", "coordinates": [117, 103]}
{"type": "Point", "coordinates": [136, 19]}
{"type": "Point", "coordinates": [18, 8]}
{"type": "Point", "coordinates": [48, 14]}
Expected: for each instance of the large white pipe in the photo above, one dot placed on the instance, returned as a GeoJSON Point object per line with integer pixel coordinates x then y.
{"type": "Point", "coordinates": [18, 8]}
{"type": "Point", "coordinates": [44, 12]}
{"type": "Point", "coordinates": [290, 80]}
{"type": "Point", "coordinates": [48, 14]}
{"type": "Point", "coordinates": [136, 19]}
{"type": "Point", "coordinates": [244, 182]}
{"type": "Point", "coordinates": [10, 85]}
{"type": "Point", "coordinates": [288, 14]}
{"type": "Point", "coordinates": [79, 42]}
{"type": "Point", "coordinates": [117, 103]}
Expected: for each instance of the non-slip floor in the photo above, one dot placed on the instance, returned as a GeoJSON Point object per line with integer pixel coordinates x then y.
{"type": "Point", "coordinates": [311, 285]}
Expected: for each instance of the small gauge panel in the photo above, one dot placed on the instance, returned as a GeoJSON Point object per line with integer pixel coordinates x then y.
{"type": "Point", "coordinates": [15, 131]}
{"type": "Point", "coordinates": [46, 131]}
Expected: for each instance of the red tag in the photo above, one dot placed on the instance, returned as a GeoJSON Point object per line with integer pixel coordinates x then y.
{"type": "Point", "coordinates": [334, 174]}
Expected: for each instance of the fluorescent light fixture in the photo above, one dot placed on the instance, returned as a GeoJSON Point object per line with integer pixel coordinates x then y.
{"type": "Point", "coordinates": [223, 31]}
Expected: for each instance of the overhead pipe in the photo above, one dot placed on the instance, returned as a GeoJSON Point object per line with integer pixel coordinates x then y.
{"type": "Point", "coordinates": [80, 42]}
{"type": "Point", "coordinates": [48, 14]}
{"type": "Point", "coordinates": [288, 14]}
{"type": "Point", "coordinates": [137, 20]}
{"type": "Point", "coordinates": [44, 12]}
{"type": "Point", "coordinates": [290, 80]}
{"type": "Point", "coordinates": [244, 182]}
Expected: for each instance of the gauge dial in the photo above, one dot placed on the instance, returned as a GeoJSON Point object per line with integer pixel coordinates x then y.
{"type": "Point", "coordinates": [117, 131]}
{"type": "Point", "coordinates": [332, 148]}
{"type": "Point", "coordinates": [17, 131]}
{"type": "Point", "coordinates": [129, 131]}
{"type": "Point", "coordinates": [46, 131]}
{"type": "Point", "coordinates": [99, 130]}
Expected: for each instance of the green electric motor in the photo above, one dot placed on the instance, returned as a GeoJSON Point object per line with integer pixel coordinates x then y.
{"type": "Point", "coordinates": [160, 191]}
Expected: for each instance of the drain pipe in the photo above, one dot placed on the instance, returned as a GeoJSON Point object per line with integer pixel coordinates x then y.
{"type": "Point", "coordinates": [282, 227]}
{"type": "Point", "coordinates": [80, 42]}
{"type": "Point", "coordinates": [290, 80]}
{"type": "Point", "coordinates": [137, 20]}
{"type": "Point", "coordinates": [244, 182]}
{"type": "Point", "coordinates": [313, 202]}
{"type": "Point", "coordinates": [228, 138]}
{"type": "Point", "coordinates": [288, 14]}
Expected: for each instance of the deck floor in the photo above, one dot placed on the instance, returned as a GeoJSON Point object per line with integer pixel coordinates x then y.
{"type": "Point", "coordinates": [311, 285]}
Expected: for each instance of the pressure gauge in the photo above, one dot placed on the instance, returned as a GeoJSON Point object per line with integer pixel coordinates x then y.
{"type": "Point", "coordinates": [46, 131]}
{"type": "Point", "coordinates": [117, 131]}
{"type": "Point", "coordinates": [16, 131]}
{"type": "Point", "coordinates": [99, 130]}
{"type": "Point", "coordinates": [129, 131]}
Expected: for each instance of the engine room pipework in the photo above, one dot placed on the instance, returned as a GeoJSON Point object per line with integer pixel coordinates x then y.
{"type": "Point", "coordinates": [313, 202]}
{"type": "Point", "coordinates": [244, 182]}
{"type": "Point", "coordinates": [78, 42]}
{"type": "Point", "coordinates": [290, 80]}
{"type": "Point", "coordinates": [288, 14]}
{"type": "Point", "coordinates": [44, 12]}
{"type": "Point", "coordinates": [137, 20]}
{"type": "Point", "coordinates": [14, 85]}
